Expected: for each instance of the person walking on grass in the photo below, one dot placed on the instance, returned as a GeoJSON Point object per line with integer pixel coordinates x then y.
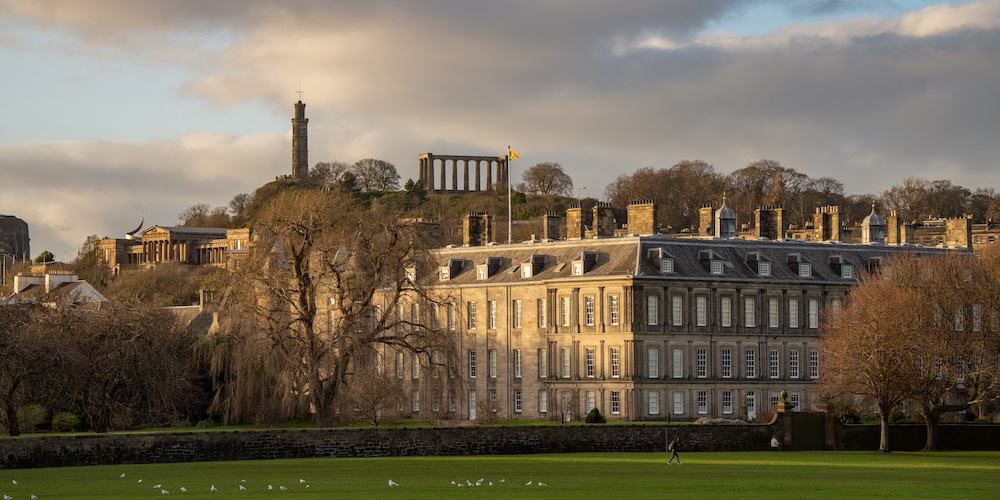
{"type": "Point", "coordinates": [672, 448]}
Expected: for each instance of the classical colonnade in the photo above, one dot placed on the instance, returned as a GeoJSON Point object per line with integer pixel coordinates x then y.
{"type": "Point", "coordinates": [155, 251]}
{"type": "Point", "coordinates": [470, 174]}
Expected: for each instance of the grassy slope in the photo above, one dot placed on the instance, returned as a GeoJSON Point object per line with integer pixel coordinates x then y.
{"type": "Point", "coordinates": [571, 476]}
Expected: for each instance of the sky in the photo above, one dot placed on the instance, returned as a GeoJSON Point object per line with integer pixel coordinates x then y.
{"type": "Point", "coordinates": [112, 110]}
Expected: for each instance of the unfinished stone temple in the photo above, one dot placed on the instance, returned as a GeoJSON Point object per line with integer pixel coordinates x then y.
{"type": "Point", "coordinates": [495, 169]}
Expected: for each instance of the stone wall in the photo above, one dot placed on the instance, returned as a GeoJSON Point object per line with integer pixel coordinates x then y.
{"type": "Point", "coordinates": [309, 443]}
{"type": "Point", "coordinates": [911, 437]}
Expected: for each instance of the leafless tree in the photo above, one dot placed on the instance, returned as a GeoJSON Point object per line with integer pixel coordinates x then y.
{"type": "Point", "coordinates": [870, 348]}
{"type": "Point", "coordinates": [375, 175]}
{"type": "Point", "coordinates": [328, 173]}
{"type": "Point", "coordinates": [323, 287]}
{"type": "Point", "coordinates": [22, 360]}
{"type": "Point", "coordinates": [372, 392]}
{"type": "Point", "coordinates": [547, 178]}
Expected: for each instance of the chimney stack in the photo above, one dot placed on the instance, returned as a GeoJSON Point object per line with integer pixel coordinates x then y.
{"type": "Point", "coordinates": [574, 223]}
{"type": "Point", "coordinates": [550, 226]}
{"type": "Point", "coordinates": [604, 220]}
{"type": "Point", "coordinates": [642, 217]}
{"type": "Point", "coordinates": [826, 223]}
{"type": "Point", "coordinates": [768, 222]}
{"type": "Point", "coordinates": [958, 232]}
{"type": "Point", "coordinates": [705, 216]}
{"type": "Point", "coordinates": [477, 230]}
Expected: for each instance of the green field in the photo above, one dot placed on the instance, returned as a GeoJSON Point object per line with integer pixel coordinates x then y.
{"type": "Point", "coordinates": [571, 476]}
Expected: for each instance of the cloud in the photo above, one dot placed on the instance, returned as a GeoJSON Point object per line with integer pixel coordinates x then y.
{"type": "Point", "coordinates": [600, 87]}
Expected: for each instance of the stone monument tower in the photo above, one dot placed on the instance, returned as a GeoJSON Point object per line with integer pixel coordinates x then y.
{"type": "Point", "coordinates": [300, 142]}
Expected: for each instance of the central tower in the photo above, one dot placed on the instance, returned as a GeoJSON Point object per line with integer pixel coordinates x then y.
{"type": "Point", "coordinates": [300, 142]}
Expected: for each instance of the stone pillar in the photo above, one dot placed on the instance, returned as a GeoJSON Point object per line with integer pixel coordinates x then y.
{"type": "Point", "coordinates": [465, 175]}
{"type": "Point", "coordinates": [444, 180]}
{"type": "Point", "coordinates": [430, 174]}
{"type": "Point", "coordinates": [479, 176]}
{"type": "Point", "coordinates": [489, 175]}
{"type": "Point", "coordinates": [454, 174]}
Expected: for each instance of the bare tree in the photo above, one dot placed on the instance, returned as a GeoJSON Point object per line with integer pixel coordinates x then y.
{"type": "Point", "coordinates": [22, 360]}
{"type": "Point", "coordinates": [203, 215]}
{"type": "Point", "coordinates": [376, 175]}
{"type": "Point", "coordinates": [547, 178]}
{"type": "Point", "coordinates": [372, 392]}
{"type": "Point", "coordinates": [323, 288]}
{"type": "Point", "coordinates": [328, 173]}
{"type": "Point", "coordinates": [870, 348]}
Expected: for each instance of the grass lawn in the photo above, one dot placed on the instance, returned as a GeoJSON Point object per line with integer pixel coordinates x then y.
{"type": "Point", "coordinates": [570, 476]}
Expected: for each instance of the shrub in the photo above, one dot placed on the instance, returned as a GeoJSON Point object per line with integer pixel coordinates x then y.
{"type": "Point", "coordinates": [897, 417]}
{"type": "Point", "coordinates": [31, 416]}
{"type": "Point", "coordinates": [65, 422]}
{"type": "Point", "coordinates": [595, 417]}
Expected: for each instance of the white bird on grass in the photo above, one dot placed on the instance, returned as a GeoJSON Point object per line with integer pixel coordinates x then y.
{"type": "Point", "coordinates": [34, 497]}
{"type": "Point", "coordinates": [504, 480]}
{"type": "Point", "coordinates": [164, 492]}
{"type": "Point", "coordinates": [528, 483]}
{"type": "Point", "coordinates": [393, 484]}
{"type": "Point", "coordinates": [453, 482]}
{"type": "Point", "coordinates": [302, 481]}
{"type": "Point", "coordinates": [7, 497]}
{"type": "Point", "coordinates": [243, 488]}
{"type": "Point", "coordinates": [184, 490]}
{"type": "Point", "coordinates": [139, 481]}
{"type": "Point", "coordinates": [269, 487]}
{"type": "Point", "coordinates": [307, 486]}
{"type": "Point", "coordinates": [122, 476]}
{"type": "Point", "coordinates": [157, 486]}
{"type": "Point", "coordinates": [213, 489]}
{"type": "Point", "coordinates": [460, 485]}
{"type": "Point", "coordinates": [283, 488]}
{"type": "Point", "coordinates": [13, 481]}
{"type": "Point", "coordinates": [490, 483]}
{"type": "Point", "coordinates": [468, 483]}
{"type": "Point", "coordinates": [541, 484]}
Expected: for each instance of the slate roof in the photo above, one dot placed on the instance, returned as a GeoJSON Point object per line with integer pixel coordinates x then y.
{"type": "Point", "coordinates": [627, 257]}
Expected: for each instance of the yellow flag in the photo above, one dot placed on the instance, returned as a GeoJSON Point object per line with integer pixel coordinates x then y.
{"type": "Point", "coordinates": [511, 154]}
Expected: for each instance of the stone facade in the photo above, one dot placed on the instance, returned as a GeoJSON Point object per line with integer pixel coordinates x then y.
{"type": "Point", "coordinates": [217, 247]}
{"type": "Point", "coordinates": [300, 142]}
{"type": "Point", "coordinates": [640, 327]}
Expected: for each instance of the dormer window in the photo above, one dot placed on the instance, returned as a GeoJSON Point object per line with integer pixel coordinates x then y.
{"type": "Point", "coordinates": [847, 271]}
{"type": "Point", "coordinates": [805, 270]}
{"type": "Point", "coordinates": [716, 266]}
{"type": "Point", "coordinates": [526, 270]}
{"type": "Point", "coordinates": [666, 265]}
{"type": "Point", "coordinates": [444, 273]}
{"type": "Point", "coordinates": [483, 271]}
{"type": "Point", "coordinates": [764, 268]}
{"type": "Point", "coordinates": [584, 263]}
{"type": "Point", "coordinates": [578, 268]}
{"type": "Point", "coordinates": [532, 266]}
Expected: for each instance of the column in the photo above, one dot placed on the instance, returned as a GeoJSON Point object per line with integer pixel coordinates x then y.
{"type": "Point", "coordinates": [465, 175]}
{"type": "Point", "coordinates": [444, 180]}
{"type": "Point", "coordinates": [430, 174]}
{"type": "Point", "coordinates": [478, 176]}
{"type": "Point", "coordinates": [454, 174]}
{"type": "Point", "coordinates": [489, 175]}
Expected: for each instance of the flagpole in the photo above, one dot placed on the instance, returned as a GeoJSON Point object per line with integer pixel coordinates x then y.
{"type": "Point", "coordinates": [510, 204]}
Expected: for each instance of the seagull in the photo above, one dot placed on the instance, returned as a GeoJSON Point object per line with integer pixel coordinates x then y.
{"type": "Point", "coordinates": [468, 483]}
{"type": "Point", "coordinates": [184, 490]}
{"type": "Point", "coordinates": [213, 489]}
{"type": "Point", "coordinates": [13, 481]}
{"type": "Point", "coordinates": [302, 481]}
{"type": "Point", "coordinates": [164, 492]}
{"type": "Point", "coordinates": [541, 484]}
{"type": "Point", "coordinates": [243, 488]}
{"type": "Point", "coordinates": [139, 481]}
{"type": "Point", "coordinates": [490, 483]}
{"type": "Point", "coordinates": [34, 497]}
{"type": "Point", "coordinates": [283, 488]}
{"type": "Point", "coordinates": [122, 476]}
{"type": "Point", "coordinates": [504, 480]}
{"type": "Point", "coordinates": [269, 487]}
{"type": "Point", "coordinates": [393, 484]}
{"type": "Point", "coordinates": [528, 483]}
{"type": "Point", "coordinates": [7, 497]}
{"type": "Point", "coordinates": [307, 486]}
{"type": "Point", "coordinates": [157, 486]}
{"type": "Point", "coordinates": [479, 483]}
{"type": "Point", "coordinates": [460, 485]}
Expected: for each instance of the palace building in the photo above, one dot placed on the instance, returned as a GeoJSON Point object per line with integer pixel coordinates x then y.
{"type": "Point", "coordinates": [640, 325]}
